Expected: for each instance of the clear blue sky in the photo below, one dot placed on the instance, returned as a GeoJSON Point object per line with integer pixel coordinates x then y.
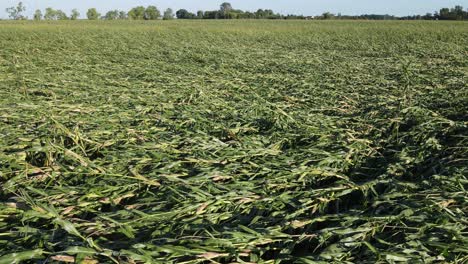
{"type": "Point", "coordinates": [305, 7]}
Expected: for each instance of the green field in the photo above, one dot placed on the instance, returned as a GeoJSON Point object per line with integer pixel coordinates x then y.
{"type": "Point", "coordinates": [234, 142]}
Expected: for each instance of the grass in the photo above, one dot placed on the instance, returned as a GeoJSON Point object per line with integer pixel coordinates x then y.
{"type": "Point", "coordinates": [233, 141]}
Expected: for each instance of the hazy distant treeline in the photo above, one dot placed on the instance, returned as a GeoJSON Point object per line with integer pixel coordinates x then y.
{"type": "Point", "coordinates": [225, 11]}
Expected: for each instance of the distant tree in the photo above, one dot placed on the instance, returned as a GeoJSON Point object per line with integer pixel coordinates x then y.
{"type": "Point", "coordinates": [211, 15]}
{"type": "Point", "coordinates": [225, 11]}
{"type": "Point", "coordinates": [444, 13]}
{"type": "Point", "coordinates": [200, 14]}
{"type": "Point", "coordinates": [50, 14]}
{"type": "Point", "coordinates": [263, 14]}
{"type": "Point", "coordinates": [247, 15]}
{"type": "Point", "coordinates": [152, 13]}
{"type": "Point", "coordinates": [93, 14]}
{"type": "Point", "coordinates": [16, 13]}
{"type": "Point", "coordinates": [112, 15]}
{"type": "Point", "coordinates": [74, 14]}
{"type": "Point", "coordinates": [294, 17]}
{"type": "Point", "coordinates": [225, 8]}
{"type": "Point", "coordinates": [137, 13]}
{"type": "Point", "coordinates": [37, 15]}
{"type": "Point", "coordinates": [234, 14]}
{"type": "Point", "coordinates": [458, 12]}
{"type": "Point", "coordinates": [168, 14]}
{"type": "Point", "coordinates": [122, 15]}
{"type": "Point", "coordinates": [428, 16]}
{"type": "Point", "coordinates": [60, 15]}
{"type": "Point", "coordinates": [259, 13]}
{"type": "Point", "coordinates": [184, 14]}
{"type": "Point", "coordinates": [328, 15]}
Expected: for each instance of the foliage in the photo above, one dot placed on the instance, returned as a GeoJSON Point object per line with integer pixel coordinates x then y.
{"type": "Point", "coordinates": [211, 15]}
{"type": "Point", "coordinates": [112, 15]}
{"type": "Point", "coordinates": [37, 15]}
{"type": "Point", "coordinates": [328, 15]}
{"type": "Point", "coordinates": [122, 15]}
{"type": "Point", "coordinates": [52, 14]}
{"type": "Point", "coordinates": [16, 12]}
{"type": "Point", "coordinates": [184, 14]}
{"type": "Point", "coordinates": [200, 14]}
{"type": "Point", "coordinates": [151, 13]}
{"type": "Point", "coordinates": [226, 11]}
{"type": "Point", "coordinates": [225, 8]}
{"type": "Point", "coordinates": [456, 13]}
{"type": "Point", "coordinates": [74, 14]}
{"type": "Point", "coordinates": [115, 14]}
{"type": "Point", "coordinates": [93, 14]}
{"type": "Point", "coordinates": [49, 14]}
{"type": "Point", "coordinates": [168, 14]}
{"type": "Point", "coordinates": [61, 15]}
{"type": "Point", "coordinates": [137, 13]}
{"type": "Point", "coordinates": [233, 142]}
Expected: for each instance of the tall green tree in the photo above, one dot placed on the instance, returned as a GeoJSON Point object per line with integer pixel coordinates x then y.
{"type": "Point", "coordinates": [200, 14]}
{"type": "Point", "coordinates": [74, 14]}
{"type": "Point", "coordinates": [184, 14]}
{"type": "Point", "coordinates": [168, 14]}
{"type": "Point", "coordinates": [328, 15]}
{"type": "Point", "coordinates": [444, 13]}
{"type": "Point", "coordinates": [225, 8]}
{"type": "Point", "coordinates": [50, 14]}
{"type": "Point", "coordinates": [267, 13]}
{"type": "Point", "coordinates": [37, 15]}
{"type": "Point", "coordinates": [152, 13]}
{"type": "Point", "coordinates": [458, 12]}
{"type": "Point", "coordinates": [112, 15]}
{"type": "Point", "coordinates": [122, 15]}
{"type": "Point", "coordinates": [93, 14]}
{"type": "Point", "coordinates": [16, 13]}
{"type": "Point", "coordinates": [137, 13]}
{"type": "Point", "coordinates": [211, 14]}
{"type": "Point", "coordinates": [61, 15]}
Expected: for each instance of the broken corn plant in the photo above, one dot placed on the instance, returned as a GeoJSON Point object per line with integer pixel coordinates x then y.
{"type": "Point", "coordinates": [233, 141]}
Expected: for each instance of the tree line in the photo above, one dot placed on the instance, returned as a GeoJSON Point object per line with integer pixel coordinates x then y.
{"type": "Point", "coordinates": [456, 13]}
{"type": "Point", "coordinates": [225, 11]}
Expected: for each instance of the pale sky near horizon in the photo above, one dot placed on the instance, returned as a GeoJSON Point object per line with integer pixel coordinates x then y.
{"type": "Point", "coordinates": [305, 7]}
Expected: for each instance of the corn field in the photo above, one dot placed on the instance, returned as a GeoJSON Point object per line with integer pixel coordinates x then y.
{"type": "Point", "coordinates": [233, 142]}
